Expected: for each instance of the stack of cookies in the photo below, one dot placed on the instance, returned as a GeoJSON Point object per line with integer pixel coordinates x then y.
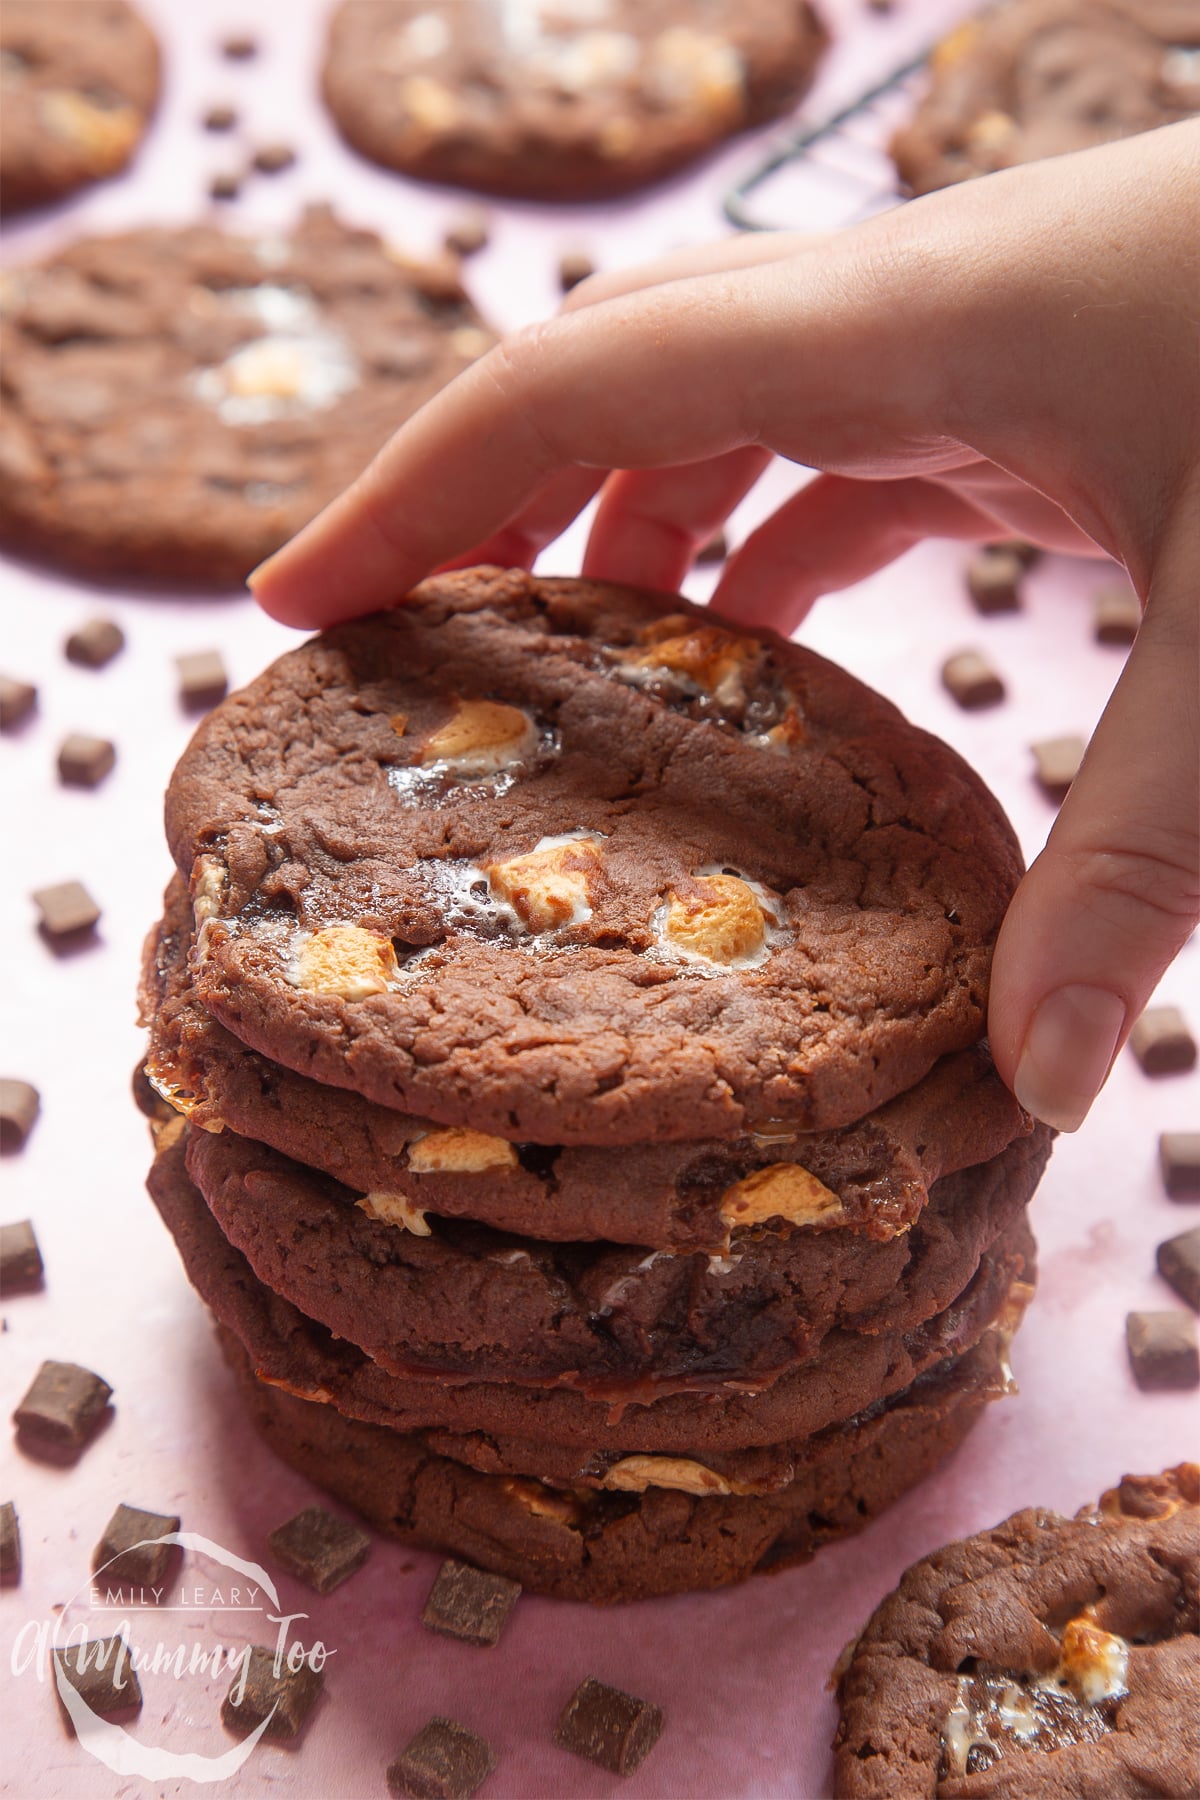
{"type": "Point", "coordinates": [565, 1041]}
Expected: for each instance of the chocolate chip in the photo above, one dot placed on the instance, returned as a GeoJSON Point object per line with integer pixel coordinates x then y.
{"type": "Point", "coordinates": [994, 580]}
{"type": "Point", "coordinates": [20, 1104]}
{"type": "Point", "coordinates": [1163, 1352]}
{"type": "Point", "coordinates": [469, 233]}
{"type": "Point", "coordinates": [225, 186]}
{"type": "Point", "coordinates": [1117, 615]}
{"type": "Point", "coordinates": [18, 700]}
{"type": "Point", "coordinates": [272, 159]}
{"type": "Point", "coordinates": [95, 643]}
{"type": "Point", "coordinates": [972, 681]}
{"type": "Point", "coordinates": [320, 1548]}
{"type": "Point", "coordinates": [84, 761]}
{"type": "Point", "coordinates": [1179, 1263]}
{"type": "Point", "coordinates": [444, 1761]}
{"type": "Point", "coordinates": [1179, 1160]}
{"type": "Point", "coordinates": [609, 1727]}
{"type": "Point", "coordinates": [239, 47]}
{"type": "Point", "coordinates": [202, 679]}
{"type": "Point", "coordinates": [20, 1259]}
{"type": "Point", "coordinates": [256, 1689]}
{"type": "Point", "coordinates": [68, 912]}
{"type": "Point", "coordinates": [102, 1673]}
{"type": "Point", "coordinates": [574, 266]}
{"type": "Point", "coordinates": [470, 1604]}
{"type": "Point", "coordinates": [10, 1545]}
{"type": "Point", "coordinates": [438, 278]}
{"type": "Point", "coordinates": [131, 1552]}
{"type": "Point", "coordinates": [64, 1405]}
{"type": "Point", "coordinates": [220, 118]}
{"type": "Point", "coordinates": [714, 550]}
{"type": "Point", "coordinates": [1058, 761]}
{"type": "Point", "coordinates": [1162, 1042]}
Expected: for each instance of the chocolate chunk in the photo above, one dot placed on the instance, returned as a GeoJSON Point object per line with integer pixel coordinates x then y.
{"type": "Point", "coordinates": [1058, 761]}
{"type": "Point", "coordinates": [225, 185]}
{"type": "Point", "coordinates": [1163, 1352]}
{"type": "Point", "coordinates": [994, 580]}
{"type": "Point", "coordinates": [239, 47]}
{"type": "Point", "coordinates": [20, 1104]}
{"type": "Point", "coordinates": [444, 1761]}
{"type": "Point", "coordinates": [469, 233]}
{"type": "Point", "coordinates": [84, 761]}
{"type": "Point", "coordinates": [1179, 1160]}
{"type": "Point", "coordinates": [1025, 552]}
{"type": "Point", "coordinates": [68, 912]}
{"type": "Point", "coordinates": [574, 266]}
{"type": "Point", "coordinates": [1117, 615]}
{"type": "Point", "coordinates": [971, 680]}
{"type": "Point", "coordinates": [272, 159]}
{"type": "Point", "coordinates": [609, 1727]}
{"type": "Point", "coordinates": [131, 1553]}
{"type": "Point", "coordinates": [10, 1545]}
{"type": "Point", "coordinates": [202, 679]}
{"type": "Point", "coordinates": [1179, 1263]}
{"type": "Point", "coordinates": [20, 1259]}
{"type": "Point", "coordinates": [220, 118]}
{"type": "Point", "coordinates": [470, 1604]}
{"type": "Point", "coordinates": [714, 550]}
{"type": "Point", "coordinates": [257, 1688]}
{"type": "Point", "coordinates": [95, 643]}
{"type": "Point", "coordinates": [64, 1405]}
{"type": "Point", "coordinates": [320, 1548]}
{"type": "Point", "coordinates": [102, 1673]}
{"type": "Point", "coordinates": [18, 700]}
{"type": "Point", "coordinates": [438, 278]}
{"type": "Point", "coordinates": [1162, 1042]}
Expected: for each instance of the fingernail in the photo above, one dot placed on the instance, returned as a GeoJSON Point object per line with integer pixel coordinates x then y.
{"type": "Point", "coordinates": [1069, 1048]}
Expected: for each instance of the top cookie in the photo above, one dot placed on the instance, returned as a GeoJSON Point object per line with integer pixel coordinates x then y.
{"type": "Point", "coordinates": [1035, 78]}
{"type": "Point", "coordinates": [79, 80]}
{"type": "Point", "coordinates": [561, 99]}
{"type": "Point", "coordinates": [566, 863]}
{"type": "Point", "coordinates": [1049, 1659]}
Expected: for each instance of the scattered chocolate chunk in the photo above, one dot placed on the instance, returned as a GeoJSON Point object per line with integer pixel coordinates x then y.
{"type": "Point", "coordinates": [971, 680]}
{"type": "Point", "coordinates": [239, 47]}
{"type": "Point", "coordinates": [609, 1727]}
{"type": "Point", "coordinates": [1179, 1160]}
{"type": "Point", "coordinates": [470, 1604]}
{"type": "Point", "coordinates": [68, 912]}
{"type": "Point", "coordinates": [1179, 1263]}
{"type": "Point", "coordinates": [1163, 1351]}
{"type": "Point", "coordinates": [202, 679]}
{"type": "Point", "coordinates": [272, 159]}
{"type": "Point", "coordinates": [469, 233]}
{"type": "Point", "coordinates": [18, 700]}
{"type": "Point", "coordinates": [574, 266]}
{"type": "Point", "coordinates": [1021, 548]}
{"type": "Point", "coordinates": [10, 1545]}
{"type": "Point", "coordinates": [444, 1761]}
{"type": "Point", "coordinates": [1117, 615]}
{"type": "Point", "coordinates": [64, 1405]}
{"type": "Point", "coordinates": [320, 1548]}
{"type": "Point", "coordinates": [102, 1673]}
{"type": "Point", "coordinates": [994, 580]}
{"type": "Point", "coordinates": [20, 1259]}
{"type": "Point", "coordinates": [1058, 761]}
{"type": "Point", "coordinates": [257, 1688]}
{"type": "Point", "coordinates": [84, 761]}
{"type": "Point", "coordinates": [220, 118]}
{"type": "Point", "coordinates": [20, 1104]}
{"type": "Point", "coordinates": [1162, 1042]}
{"type": "Point", "coordinates": [95, 643]}
{"type": "Point", "coordinates": [714, 550]}
{"type": "Point", "coordinates": [438, 278]}
{"type": "Point", "coordinates": [225, 185]}
{"type": "Point", "coordinates": [880, 6]}
{"type": "Point", "coordinates": [132, 1552]}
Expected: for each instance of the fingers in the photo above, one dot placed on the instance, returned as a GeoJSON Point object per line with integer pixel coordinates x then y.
{"type": "Point", "coordinates": [650, 524]}
{"type": "Point", "coordinates": [518, 544]}
{"type": "Point", "coordinates": [746, 251]}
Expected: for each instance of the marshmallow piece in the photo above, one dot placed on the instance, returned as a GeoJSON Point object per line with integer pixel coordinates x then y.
{"type": "Point", "coordinates": [460, 1151]}
{"type": "Point", "coordinates": [483, 735]}
{"type": "Point", "coordinates": [716, 918]}
{"type": "Point", "coordinates": [548, 887]}
{"type": "Point", "coordinates": [634, 1474]}
{"type": "Point", "coordinates": [780, 1191]}
{"type": "Point", "coordinates": [394, 1209]}
{"type": "Point", "coordinates": [345, 960]}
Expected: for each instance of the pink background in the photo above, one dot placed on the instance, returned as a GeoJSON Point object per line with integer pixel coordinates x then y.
{"type": "Point", "coordinates": [741, 1675]}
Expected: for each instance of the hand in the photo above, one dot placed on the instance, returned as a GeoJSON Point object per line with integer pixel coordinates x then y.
{"type": "Point", "coordinates": [1019, 354]}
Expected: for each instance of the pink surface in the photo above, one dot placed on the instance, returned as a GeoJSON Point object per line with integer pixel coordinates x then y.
{"type": "Point", "coordinates": [741, 1675]}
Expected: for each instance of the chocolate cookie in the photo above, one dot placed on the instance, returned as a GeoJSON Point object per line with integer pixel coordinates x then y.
{"type": "Point", "coordinates": [467, 1301]}
{"type": "Point", "coordinates": [79, 80]}
{"type": "Point", "coordinates": [1035, 78]}
{"type": "Point", "coordinates": [178, 403]}
{"type": "Point", "coordinates": [564, 863]}
{"type": "Point", "coordinates": [1049, 1657]}
{"type": "Point", "coordinates": [872, 1177]}
{"type": "Point", "coordinates": [611, 1546]}
{"type": "Point", "coordinates": [552, 101]}
{"type": "Point", "coordinates": [851, 1372]}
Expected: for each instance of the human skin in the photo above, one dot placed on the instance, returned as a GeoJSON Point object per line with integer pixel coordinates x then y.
{"type": "Point", "coordinates": [1015, 355]}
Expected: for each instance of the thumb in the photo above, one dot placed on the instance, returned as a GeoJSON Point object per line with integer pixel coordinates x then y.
{"type": "Point", "coordinates": [1116, 891]}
